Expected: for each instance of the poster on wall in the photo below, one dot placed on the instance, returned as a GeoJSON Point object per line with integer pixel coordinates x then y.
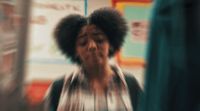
{"type": "Point", "coordinates": [42, 50]}
{"type": "Point", "coordinates": [10, 25]}
{"type": "Point", "coordinates": [137, 15]}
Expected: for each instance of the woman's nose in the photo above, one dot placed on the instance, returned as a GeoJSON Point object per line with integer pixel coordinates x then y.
{"type": "Point", "coordinates": [92, 46]}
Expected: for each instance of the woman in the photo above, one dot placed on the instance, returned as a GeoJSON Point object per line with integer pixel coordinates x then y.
{"type": "Point", "coordinates": [96, 86]}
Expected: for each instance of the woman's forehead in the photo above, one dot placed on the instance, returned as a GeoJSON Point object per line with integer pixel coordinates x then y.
{"type": "Point", "coordinates": [89, 28]}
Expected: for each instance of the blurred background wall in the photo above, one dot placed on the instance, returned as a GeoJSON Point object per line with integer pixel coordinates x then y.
{"type": "Point", "coordinates": [38, 61]}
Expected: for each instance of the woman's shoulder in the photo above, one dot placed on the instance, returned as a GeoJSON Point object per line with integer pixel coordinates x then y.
{"type": "Point", "coordinates": [58, 83]}
{"type": "Point", "coordinates": [130, 77]}
{"type": "Point", "coordinates": [56, 87]}
{"type": "Point", "coordinates": [54, 93]}
{"type": "Point", "coordinates": [132, 83]}
{"type": "Point", "coordinates": [135, 90]}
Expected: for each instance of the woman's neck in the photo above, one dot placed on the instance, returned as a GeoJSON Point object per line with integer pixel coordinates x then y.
{"type": "Point", "coordinates": [98, 72]}
{"type": "Point", "coordinates": [99, 77]}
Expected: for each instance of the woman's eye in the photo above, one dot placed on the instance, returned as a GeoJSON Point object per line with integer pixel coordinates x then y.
{"type": "Point", "coordinates": [99, 41]}
{"type": "Point", "coordinates": [99, 37]}
{"type": "Point", "coordinates": [82, 42]}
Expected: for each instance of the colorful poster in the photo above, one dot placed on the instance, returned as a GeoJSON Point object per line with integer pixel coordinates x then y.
{"type": "Point", "coordinates": [137, 15]}
{"type": "Point", "coordinates": [138, 21]}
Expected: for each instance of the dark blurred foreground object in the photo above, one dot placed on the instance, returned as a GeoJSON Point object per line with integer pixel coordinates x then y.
{"type": "Point", "coordinates": [173, 69]}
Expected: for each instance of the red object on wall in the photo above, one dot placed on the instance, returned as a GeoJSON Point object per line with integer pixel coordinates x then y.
{"type": "Point", "coordinates": [35, 91]}
{"type": "Point", "coordinates": [140, 1]}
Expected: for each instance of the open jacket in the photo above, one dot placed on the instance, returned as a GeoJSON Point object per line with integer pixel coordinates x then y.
{"type": "Point", "coordinates": [132, 84]}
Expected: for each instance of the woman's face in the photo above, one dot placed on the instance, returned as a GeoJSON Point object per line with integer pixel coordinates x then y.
{"type": "Point", "coordinates": [92, 46]}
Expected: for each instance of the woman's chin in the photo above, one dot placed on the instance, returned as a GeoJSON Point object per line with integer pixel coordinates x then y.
{"type": "Point", "coordinates": [94, 63]}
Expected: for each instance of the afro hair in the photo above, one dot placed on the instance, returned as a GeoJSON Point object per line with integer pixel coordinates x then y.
{"type": "Point", "coordinates": [109, 20]}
